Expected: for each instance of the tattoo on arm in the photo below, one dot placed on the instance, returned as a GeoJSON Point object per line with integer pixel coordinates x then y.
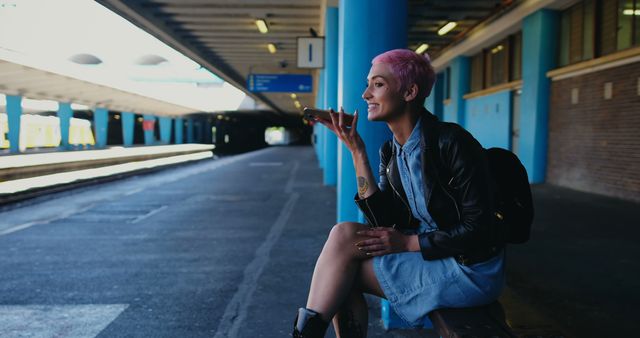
{"type": "Point", "coordinates": [363, 186]}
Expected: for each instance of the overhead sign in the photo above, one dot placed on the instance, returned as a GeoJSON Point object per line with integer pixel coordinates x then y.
{"type": "Point", "coordinates": [280, 83]}
{"type": "Point", "coordinates": [310, 52]}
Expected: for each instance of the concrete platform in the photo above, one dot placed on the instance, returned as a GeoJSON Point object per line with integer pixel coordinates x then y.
{"type": "Point", "coordinates": [226, 248]}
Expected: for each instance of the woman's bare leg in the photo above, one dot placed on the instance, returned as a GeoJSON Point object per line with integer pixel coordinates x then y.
{"type": "Point", "coordinates": [342, 273]}
{"type": "Point", "coordinates": [336, 270]}
{"type": "Point", "coordinates": [353, 316]}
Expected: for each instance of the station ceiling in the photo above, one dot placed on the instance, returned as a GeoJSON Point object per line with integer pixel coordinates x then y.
{"type": "Point", "coordinates": [222, 35]}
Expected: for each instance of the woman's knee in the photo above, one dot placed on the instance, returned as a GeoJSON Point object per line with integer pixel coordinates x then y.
{"type": "Point", "coordinates": [345, 232]}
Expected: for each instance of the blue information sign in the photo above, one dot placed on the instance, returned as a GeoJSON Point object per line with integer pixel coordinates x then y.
{"type": "Point", "coordinates": [280, 83]}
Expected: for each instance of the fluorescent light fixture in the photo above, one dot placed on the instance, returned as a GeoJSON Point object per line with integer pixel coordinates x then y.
{"type": "Point", "coordinates": [631, 12]}
{"type": "Point", "coordinates": [294, 96]}
{"type": "Point", "coordinates": [423, 47]}
{"type": "Point", "coordinates": [497, 49]}
{"type": "Point", "coordinates": [272, 48]}
{"type": "Point", "coordinates": [447, 28]}
{"type": "Point", "coordinates": [297, 103]}
{"type": "Point", "coordinates": [262, 26]}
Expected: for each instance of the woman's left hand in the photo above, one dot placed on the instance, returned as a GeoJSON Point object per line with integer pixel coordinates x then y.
{"type": "Point", "coordinates": [383, 241]}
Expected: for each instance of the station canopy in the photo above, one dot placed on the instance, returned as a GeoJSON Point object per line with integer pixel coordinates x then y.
{"type": "Point", "coordinates": [80, 52]}
{"type": "Point", "coordinates": [217, 36]}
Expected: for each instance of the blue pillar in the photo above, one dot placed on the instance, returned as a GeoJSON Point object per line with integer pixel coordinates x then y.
{"type": "Point", "coordinates": [148, 126]}
{"type": "Point", "coordinates": [331, 93]}
{"type": "Point", "coordinates": [357, 47]}
{"type": "Point", "coordinates": [165, 129]}
{"type": "Point", "coordinates": [200, 131]}
{"type": "Point", "coordinates": [190, 138]}
{"type": "Point", "coordinates": [14, 111]}
{"type": "Point", "coordinates": [101, 126]}
{"type": "Point", "coordinates": [128, 124]}
{"type": "Point", "coordinates": [320, 134]}
{"type": "Point", "coordinates": [178, 126]}
{"type": "Point", "coordinates": [433, 103]}
{"type": "Point", "coordinates": [539, 40]}
{"type": "Point", "coordinates": [459, 86]}
{"type": "Point", "coordinates": [65, 113]}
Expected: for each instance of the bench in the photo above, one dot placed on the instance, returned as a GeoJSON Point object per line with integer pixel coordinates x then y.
{"type": "Point", "coordinates": [475, 322]}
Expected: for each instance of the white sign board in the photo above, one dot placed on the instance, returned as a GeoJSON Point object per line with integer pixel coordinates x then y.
{"type": "Point", "coordinates": [310, 52]}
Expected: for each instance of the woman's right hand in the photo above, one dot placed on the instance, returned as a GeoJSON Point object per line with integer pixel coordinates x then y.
{"type": "Point", "coordinates": [346, 133]}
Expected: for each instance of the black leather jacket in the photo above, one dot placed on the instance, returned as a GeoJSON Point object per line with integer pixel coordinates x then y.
{"type": "Point", "coordinates": [457, 194]}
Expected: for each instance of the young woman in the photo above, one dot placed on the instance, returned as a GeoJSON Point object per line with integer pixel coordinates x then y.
{"type": "Point", "coordinates": [430, 238]}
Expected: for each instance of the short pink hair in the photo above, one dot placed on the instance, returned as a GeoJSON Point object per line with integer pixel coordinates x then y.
{"type": "Point", "coordinates": [409, 67]}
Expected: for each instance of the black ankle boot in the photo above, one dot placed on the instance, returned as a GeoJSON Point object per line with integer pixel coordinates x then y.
{"type": "Point", "coordinates": [308, 324]}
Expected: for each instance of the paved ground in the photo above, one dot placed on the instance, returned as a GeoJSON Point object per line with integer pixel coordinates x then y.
{"type": "Point", "coordinates": [225, 248]}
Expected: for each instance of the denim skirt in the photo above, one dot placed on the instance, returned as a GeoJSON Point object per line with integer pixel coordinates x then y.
{"type": "Point", "coordinates": [414, 286]}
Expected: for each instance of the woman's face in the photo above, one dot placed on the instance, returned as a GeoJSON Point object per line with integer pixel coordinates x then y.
{"type": "Point", "coordinates": [382, 94]}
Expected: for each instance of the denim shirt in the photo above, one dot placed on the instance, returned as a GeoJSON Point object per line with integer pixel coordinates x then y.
{"type": "Point", "coordinates": [409, 159]}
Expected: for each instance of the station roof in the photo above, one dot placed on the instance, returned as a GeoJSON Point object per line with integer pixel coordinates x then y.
{"type": "Point", "coordinates": [37, 83]}
{"type": "Point", "coordinates": [222, 35]}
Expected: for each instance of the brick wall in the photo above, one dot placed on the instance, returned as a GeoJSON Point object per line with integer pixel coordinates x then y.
{"type": "Point", "coordinates": [594, 145]}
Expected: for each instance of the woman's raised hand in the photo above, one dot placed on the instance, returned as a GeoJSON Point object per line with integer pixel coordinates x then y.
{"type": "Point", "coordinates": [347, 133]}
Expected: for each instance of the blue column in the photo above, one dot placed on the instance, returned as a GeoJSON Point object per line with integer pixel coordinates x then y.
{"type": "Point", "coordinates": [433, 103]}
{"type": "Point", "coordinates": [190, 138]}
{"type": "Point", "coordinates": [357, 47]}
{"type": "Point", "coordinates": [65, 113]}
{"type": "Point", "coordinates": [101, 126]}
{"type": "Point", "coordinates": [320, 134]}
{"type": "Point", "coordinates": [200, 131]}
{"type": "Point", "coordinates": [128, 124]}
{"type": "Point", "coordinates": [539, 40]}
{"type": "Point", "coordinates": [331, 93]}
{"type": "Point", "coordinates": [148, 127]}
{"type": "Point", "coordinates": [459, 86]}
{"type": "Point", "coordinates": [178, 126]}
{"type": "Point", "coordinates": [14, 111]}
{"type": "Point", "coordinates": [165, 129]}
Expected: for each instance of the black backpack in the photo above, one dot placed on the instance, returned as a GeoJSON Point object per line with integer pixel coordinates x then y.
{"type": "Point", "coordinates": [514, 204]}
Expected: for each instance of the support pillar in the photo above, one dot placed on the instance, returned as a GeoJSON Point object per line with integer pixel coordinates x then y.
{"type": "Point", "coordinates": [357, 47]}
{"type": "Point", "coordinates": [319, 129]}
{"type": "Point", "coordinates": [539, 41]}
{"type": "Point", "coordinates": [65, 113]}
{"type": "Point", "coordinates": [149, 126]}
{"type": "Point", "coordinates": [459, 86]}
{"type": "Point", "coordinates": [14, 112]}
{"type": "Point", "coordinates": [190, 138]}
{"type": "Point", "coordinates": [433, 103]}
{"type": "Point", "coordinates": [128, 124]}
{"type": "Point", "coordinates": [178, 128]}
{"type": "Point", "coordinates": [330, 93]}
{"type": "Point", "coordinates": [101, 126]}
{"type": "Point", "coordinates": [165, 129]}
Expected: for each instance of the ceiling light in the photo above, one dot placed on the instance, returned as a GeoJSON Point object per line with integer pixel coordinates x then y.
{"type": "Point", "coordinates": [423, 47]}
{"type": "Point", "coordinates": [631, 12]}
{"type": "Point", "coordinates": [297, 104]}
{"type": "Point", "coordinates": [85, 59]}
{"type": "Point", "coordinates": [294, 96]}
{"type": "Point", "coordinates": [447, 28]}
{"type": "Point", "coordinates": [272, 48]}
{"type": "Point", "coordinates": [262, 26]}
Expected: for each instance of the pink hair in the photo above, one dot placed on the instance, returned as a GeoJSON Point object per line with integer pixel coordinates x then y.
{"type": "Point", "coordinates": [408, 67]}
